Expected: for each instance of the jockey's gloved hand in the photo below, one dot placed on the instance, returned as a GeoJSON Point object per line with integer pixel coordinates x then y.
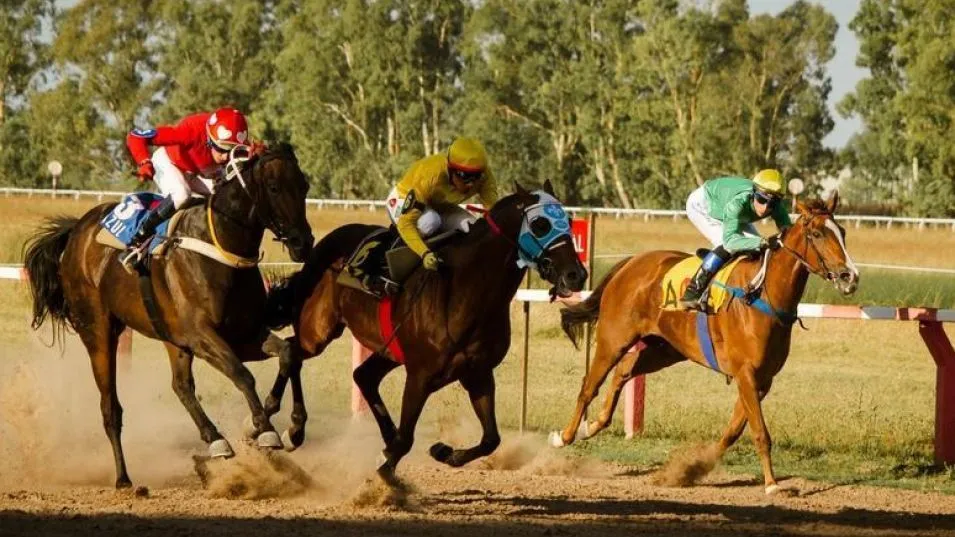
{"type": "Point", "coordinates": [431, 261]}
{"type": "Point", "coordinates": [772, 243]}
{"type": "Point", "coordinates": [146, 171]}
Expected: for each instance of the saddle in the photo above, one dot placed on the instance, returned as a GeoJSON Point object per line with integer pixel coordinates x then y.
{"type": "Point", "coordinates": [678, 277]}
{"type": "Point", "coordinates": [382, 262]}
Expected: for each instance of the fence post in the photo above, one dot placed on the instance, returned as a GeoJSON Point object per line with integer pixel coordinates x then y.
{"type": "Point", "coordinates": [942, 352]}
{"type": "Point", "coordinates": [124, 351]}
{"type": "Point", "coordinates": [524, 361]}
{"type": "Point", "coordinates": [635, 391]}
{"type": "Point", "coordinates": [591, 246]}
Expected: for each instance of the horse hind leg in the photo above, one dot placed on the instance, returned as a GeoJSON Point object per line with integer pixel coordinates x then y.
{"type": "Point", "coordinates": [609, 351]}
{"type": "Point", "coordinates": [101, 337]}
{"type": "Point", "coordinates": [642, 361]}
{"type": "Point", "coordinates": [480, 389]}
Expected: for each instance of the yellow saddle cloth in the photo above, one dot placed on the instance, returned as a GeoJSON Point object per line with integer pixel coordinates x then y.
{"type": "Point", "coordinates": [678, 277]}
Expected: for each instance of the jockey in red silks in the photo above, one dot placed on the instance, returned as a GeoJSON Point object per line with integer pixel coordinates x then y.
{"type": "Point", "coordinates": [188, 155]}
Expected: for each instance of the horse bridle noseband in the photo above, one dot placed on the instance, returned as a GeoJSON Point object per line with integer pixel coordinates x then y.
{"type": "Point", "coordinates": [825, 273]}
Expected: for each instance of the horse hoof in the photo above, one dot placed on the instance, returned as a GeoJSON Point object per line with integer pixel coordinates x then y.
{"type": "Point", "coordinates": [556, 440]}
{"type": "Point", "coordinates": [292, 441]}
{"type": "Point", "coordinates": [248, 427]}
{"type": "Point", "coordinates": [583, 431]}
{"type": "Point", "coordinates": [269, 440]}
{"type": "Point", "coordinates": [123, 483]}
{"type": "Point", "coordinates": [220, 449]}
{"type": "Point", "coordinates": [441, 452]}
{"type": "Point", "coordinates": [772, 490]}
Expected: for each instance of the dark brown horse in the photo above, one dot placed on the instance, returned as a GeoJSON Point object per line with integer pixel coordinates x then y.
{"type": "Point", "coordinates": [204, 307]}
{"type": "Point", "coordinates": [453, 326]}
{"type": "Point", "coordinates": [751, 346]}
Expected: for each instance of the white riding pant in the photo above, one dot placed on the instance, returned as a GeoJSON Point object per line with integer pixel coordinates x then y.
{"type": "Point", "coordinates": [431, 221]}
{"type": "Point", "coordinates": [172, 182]}
{"type": "Point", "coordinates": [698, 211]}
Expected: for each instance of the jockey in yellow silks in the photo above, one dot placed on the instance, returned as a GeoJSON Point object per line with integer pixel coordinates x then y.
{"type": "Point", "coordinates": [425, 201]}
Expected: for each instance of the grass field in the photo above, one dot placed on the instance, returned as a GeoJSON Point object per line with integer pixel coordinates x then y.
{"type": "Point", "coordinates": [855, 402]}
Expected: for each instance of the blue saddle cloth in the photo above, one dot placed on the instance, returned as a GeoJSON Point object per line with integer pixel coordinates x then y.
{"type": "Point", "coordinates": [123, 221]}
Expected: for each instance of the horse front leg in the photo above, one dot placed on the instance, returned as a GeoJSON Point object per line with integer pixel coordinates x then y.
{"type": "Point", "coordinates": [294, 436]}
{"type": "Point", "coordinates": [283, 348]}
{"type": "Point", "coordinates": [184, 385]}
{"type": "Point", "coordinates": [368, 377]}
{"type": "Point", "coordinates": [214, 349]}
{"type": "Point", "coordinates": [416, 393]}
{"type": "Point", "coordinates": [480, 388]}
{"type": "Point", "coordinates": [751, 396]}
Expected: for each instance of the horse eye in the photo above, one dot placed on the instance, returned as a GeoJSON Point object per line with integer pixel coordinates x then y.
{"type": "Point", "coordinates": [540, 227]}
{"type": "Point", "coordinates": [816, 234]}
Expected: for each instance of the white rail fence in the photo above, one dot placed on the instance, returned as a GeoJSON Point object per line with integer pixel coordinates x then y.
{"type": "Point", "coordinates": [647, 214]}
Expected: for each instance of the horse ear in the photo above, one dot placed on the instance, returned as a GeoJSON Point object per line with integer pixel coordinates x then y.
{"type": "Point", "coordinates": [549, 188]}
{"type": "Point", "coordinates": [520, 190]}
{"type": "Point", "coordinates": [802, 209]}
{"type": "Point", "coordinates": [832, 202]}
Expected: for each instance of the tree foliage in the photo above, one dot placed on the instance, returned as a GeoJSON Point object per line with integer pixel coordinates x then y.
{"type": "Point", "coordinates": [629, 103]}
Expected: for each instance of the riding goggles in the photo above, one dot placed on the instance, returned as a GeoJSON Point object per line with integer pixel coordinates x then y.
{"type": "Point", "coordinates": [766, 198]}
{"type": "Point", "coordinates": [466, 177]}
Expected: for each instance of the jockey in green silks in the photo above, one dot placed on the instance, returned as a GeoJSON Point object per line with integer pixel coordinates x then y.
{"type": "Point", "coordinates": [724, 209]}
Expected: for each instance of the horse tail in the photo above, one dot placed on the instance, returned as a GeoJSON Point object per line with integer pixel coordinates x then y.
{"type": "Point", "coordinates": [574, 318]}
{"type": "Point", "coordinates": [287, 295]}
{"type": "Point", "coordinates": [42, 263]}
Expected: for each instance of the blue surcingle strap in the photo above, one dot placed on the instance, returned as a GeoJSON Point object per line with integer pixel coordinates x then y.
{"type": "Point", "coordinates": [706, 342]}
{"type": "Point", "coordinates": [759, 304]}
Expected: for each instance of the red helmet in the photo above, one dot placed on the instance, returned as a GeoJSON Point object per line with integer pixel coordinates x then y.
{"type": "Point", "coordinates": [227, 128]}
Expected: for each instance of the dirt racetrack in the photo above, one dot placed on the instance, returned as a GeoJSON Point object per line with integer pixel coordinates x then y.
{"type": "Point", "coordinates": [525, 489]}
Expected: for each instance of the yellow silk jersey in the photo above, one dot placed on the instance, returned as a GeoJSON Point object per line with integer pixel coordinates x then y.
{"type": "Point", "coordinates": [432, 187]}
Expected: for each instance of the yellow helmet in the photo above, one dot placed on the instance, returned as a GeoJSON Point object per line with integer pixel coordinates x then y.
{"type": "Point", "coordinates": [467, 155]}
{"type": "Point", "coordinates": [770, 181]}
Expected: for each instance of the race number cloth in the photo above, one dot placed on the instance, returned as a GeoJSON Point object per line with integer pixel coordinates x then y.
{"type": "Point", "coordinates": [123, 221]}
{"type": "Point", "coordinates": [678, 277]}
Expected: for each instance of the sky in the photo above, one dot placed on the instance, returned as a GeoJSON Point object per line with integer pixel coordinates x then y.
{"type": "Point", "coordinates": [842, 68]}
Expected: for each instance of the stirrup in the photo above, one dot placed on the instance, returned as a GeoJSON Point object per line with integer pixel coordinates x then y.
{"type": "Point", "coordinates": [131, 258]}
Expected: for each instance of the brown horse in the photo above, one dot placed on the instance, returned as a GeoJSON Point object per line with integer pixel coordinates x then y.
{"type": "Point", "coordinates": [751, 346]}
{"type": "Point", "coordinates": [202, 306]}
{"type": "Point", "coordinates": [453, 326]}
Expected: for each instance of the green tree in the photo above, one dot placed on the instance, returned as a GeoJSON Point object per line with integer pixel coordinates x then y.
{"type": "Point", "coordinates": [215, 54]}
{"type": "Point", "coordinates": [907, 103]}
{"type": "Point", "coordinates": [104, 54]}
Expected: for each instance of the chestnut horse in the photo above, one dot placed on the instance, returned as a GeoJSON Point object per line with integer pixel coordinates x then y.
{"type": "Point", "coordinates": [451, 326]}
{"type": "Point", "coordinates": [750, 344]}
{"type": "Point", "coordinates": [202, 306]}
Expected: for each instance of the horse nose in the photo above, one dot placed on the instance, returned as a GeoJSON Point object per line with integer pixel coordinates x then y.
{"type": "Point", "coordinates": [575, 277]}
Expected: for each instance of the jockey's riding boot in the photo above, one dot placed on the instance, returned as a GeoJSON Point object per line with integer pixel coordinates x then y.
{"type": "Point", "coordinates": [693, 297]}
{"type": "Point", "coordinates": [133, 254]}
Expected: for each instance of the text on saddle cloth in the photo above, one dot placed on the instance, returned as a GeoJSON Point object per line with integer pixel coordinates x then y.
{"type": "Point", "coordinates": [123, 221]}
{"type": "Point", "coordinates": [678, 277]}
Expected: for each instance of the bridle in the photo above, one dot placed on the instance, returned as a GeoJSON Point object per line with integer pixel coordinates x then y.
{"type": "Point", "coordinates": [539, 261]}
{"type": "Point", "coordinates": [825, 272]}
{"type": "Point", "coordinates": [236, 169]}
